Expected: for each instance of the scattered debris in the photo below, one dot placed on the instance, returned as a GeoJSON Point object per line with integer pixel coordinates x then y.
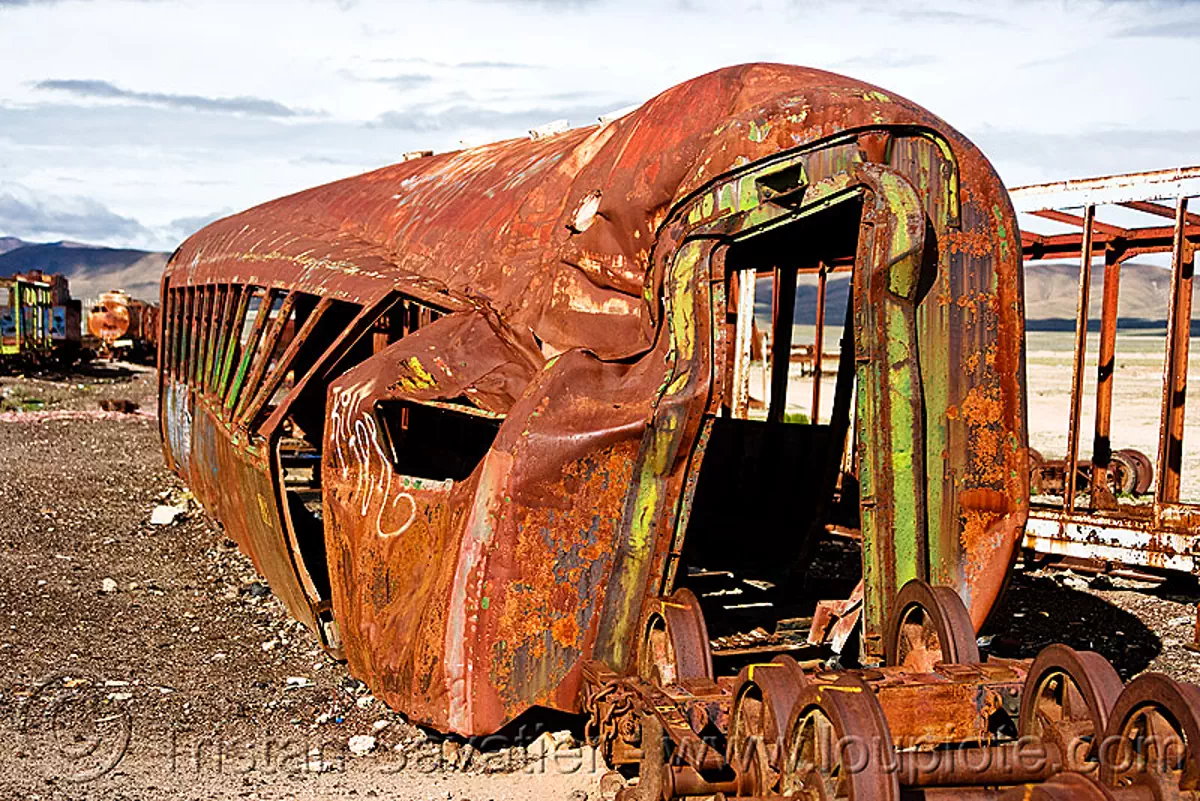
{"type": "Point", "coordinates": [122, 405]}
{"type": "Point", "coordinates": [315, 764]}
{"type": "Point", "coordinates": [255, 589]}
{"type": "Point", "coordinates": [1071, 581]}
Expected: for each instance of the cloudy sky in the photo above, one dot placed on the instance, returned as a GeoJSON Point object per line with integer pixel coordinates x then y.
{"type": "Point", "coordinates": [133, 122]}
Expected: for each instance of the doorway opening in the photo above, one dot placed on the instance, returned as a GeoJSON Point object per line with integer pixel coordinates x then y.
{"type": "Point", "coordinates": [778, 471]}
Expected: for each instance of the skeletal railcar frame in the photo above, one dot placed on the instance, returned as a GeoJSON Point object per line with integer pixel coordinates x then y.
{"type": "Point", "coordinates": [1087, 522]}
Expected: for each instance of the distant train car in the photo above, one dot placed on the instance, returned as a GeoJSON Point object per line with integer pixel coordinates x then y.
{"type": "Point", "coordinates": [66, 319]}
{"type": "Point", "coordinates": [26, 318]}
{"type": "Point", "coordinates": [124, 326]}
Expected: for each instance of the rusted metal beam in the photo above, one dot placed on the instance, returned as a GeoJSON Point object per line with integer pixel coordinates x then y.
{"type": "Point", "coordinates": [1157, 239]}
{"type": "Point", "coordinates": [1102, 442]}
{"type": "Point", "coordinates": [1175, 365]}
{"type": "Point", "coordinates": [261, 357]}
{"type": "Point", "coordinates": [1160, 210]}
{"type": "Point", "coordinates": [783, 307]}
{"type": "Point", "coordinates": [818, 344]}
{"type": "Point", "coordinates": [743, 346]}
{"type": "Point", "coordinates": [275, 380]}
{"type": "Point", "coordinates": [1109, 189]}
{"type": "Point", "coordinates": [1081, 319]}
{"type": "Point", "coordinates": [1074, 219]}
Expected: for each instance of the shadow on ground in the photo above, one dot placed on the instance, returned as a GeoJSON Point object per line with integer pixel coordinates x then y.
{"type": "Point", "coordinates": [93, 371]}
{"type": "Point", "coordinates": [1037, 611]}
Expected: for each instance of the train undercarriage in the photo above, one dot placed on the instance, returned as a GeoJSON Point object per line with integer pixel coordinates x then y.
{"type": "Point", "coordinates": [934, 721]}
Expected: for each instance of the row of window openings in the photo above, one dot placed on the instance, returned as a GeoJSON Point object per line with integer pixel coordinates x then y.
{"type": "Point", "coordinates": [229, 341]}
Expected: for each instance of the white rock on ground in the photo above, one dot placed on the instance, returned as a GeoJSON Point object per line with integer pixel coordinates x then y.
{"type": "Point", "coordinates": [542, 747]}
{"type": "Point", "coordinates": [108, 585]}
{"type": "Point", "coordinates": [164, 515]}
{"type": "Point", "coordinates": [361, 744]}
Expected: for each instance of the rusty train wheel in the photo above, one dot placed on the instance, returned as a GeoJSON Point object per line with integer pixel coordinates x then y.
{"type": "Point", "coordinates": [839, 746]}
{"type": "Point", "coordinates": [929, 625]}
{"type": "Point", "coordinates": [675, 646]}
{"type": "Point", "coordinates": [763, 698]}
{"type": "Point", "coordinates": [1122, 474]}
{"type": "Point", "coordinates": [1143, 469]}
{"type": "Point", "coordinates": [1036, 461]}
{"type": "Point", "coordinates": [1153, 737]}
{"type": "Point", "coordinates": [1066, 701]}
{"type": "Point", "coordinates": [1064, 787]}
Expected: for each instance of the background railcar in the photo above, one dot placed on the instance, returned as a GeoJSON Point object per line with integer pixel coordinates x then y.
{"type": "Point", "coordinates": [124, 326]}
{"type": "Point", "coordinates": [31, 321]}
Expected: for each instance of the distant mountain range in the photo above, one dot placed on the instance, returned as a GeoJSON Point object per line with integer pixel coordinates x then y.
{"type": "Point", "coordinates": [1052, 292]}
{"type": "Point", "coordinates": [90, 269]}
{"type": "Point", "coordinates": [1050, 297]}
{"type": "Point", "coordinates": [1050, 289]}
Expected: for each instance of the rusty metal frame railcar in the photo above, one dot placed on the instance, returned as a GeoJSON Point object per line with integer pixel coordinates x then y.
{"type": "Point", "coordinates": [1094, 527]}
{"type": "Point", "coordinates": [575, 305]}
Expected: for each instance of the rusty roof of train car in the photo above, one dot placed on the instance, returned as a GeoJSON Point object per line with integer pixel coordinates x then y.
{"type": "Point", "coordinates": [497, 223]}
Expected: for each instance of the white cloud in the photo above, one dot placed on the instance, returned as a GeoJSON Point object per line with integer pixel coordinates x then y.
{"type": "Point", "coordinates": [54, 217]}
{"type": "Point", "coordinates": [156, 111]}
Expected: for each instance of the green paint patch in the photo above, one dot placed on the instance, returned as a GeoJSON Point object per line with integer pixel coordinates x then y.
{"type": "Point", "coordinates": [484, 603]}
{"type": "Point", "coordinates": [1001, 230]}
{"type": "Point", "coordinates": [747, 194]}
{"type": "Point", "coordinates": [759, 133]}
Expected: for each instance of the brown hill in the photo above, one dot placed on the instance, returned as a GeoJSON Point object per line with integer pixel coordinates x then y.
{"type": "Point", "coordinates": [1051, 293]}
{"type": "Point", "coordinates": [8, 243]}
{"type": "Point", "coordinates": [90, 269]}
{"type": "Point", "coordinates": [1050, 296]}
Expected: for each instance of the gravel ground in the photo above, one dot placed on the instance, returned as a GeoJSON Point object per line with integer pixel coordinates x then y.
{"type": "Point", "coordinates": [1136, 625]}
{"type": "Point", "coordinates": [159, 645]}
{"type": "Point", "coordinates": [165, 636]}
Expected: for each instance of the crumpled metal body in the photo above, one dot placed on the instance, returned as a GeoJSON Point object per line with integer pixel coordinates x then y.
{"type": "Point", "coordinates": [463, 603]}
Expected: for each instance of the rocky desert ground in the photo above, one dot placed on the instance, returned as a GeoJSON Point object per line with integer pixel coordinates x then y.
{"type": "Point", "coordinates": [148, 661]}
{"type": "Point", "coordinates": [157, 648]}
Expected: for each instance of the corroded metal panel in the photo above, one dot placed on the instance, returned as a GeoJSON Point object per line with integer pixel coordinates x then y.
{"type": "Point", "coordinates": [579, 274]}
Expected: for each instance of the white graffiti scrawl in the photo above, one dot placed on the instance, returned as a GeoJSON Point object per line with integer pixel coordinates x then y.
{"type": "Point", "coordinates": [359, 455]}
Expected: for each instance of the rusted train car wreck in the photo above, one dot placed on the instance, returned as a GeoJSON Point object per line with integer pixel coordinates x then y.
{"type": "Point", "coordinates": [486, 421]}
{"type": "Point", "coordinates": [1120, 506]}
